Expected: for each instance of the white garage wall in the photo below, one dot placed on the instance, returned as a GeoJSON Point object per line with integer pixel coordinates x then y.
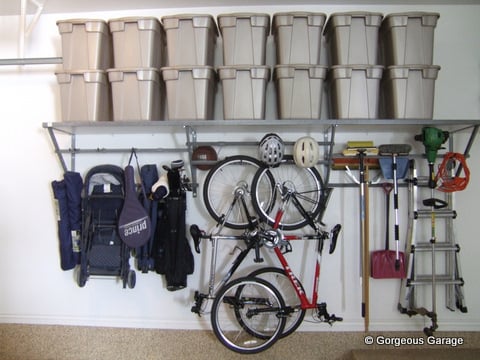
{"type": "Point", "coordinates": [35, 290]}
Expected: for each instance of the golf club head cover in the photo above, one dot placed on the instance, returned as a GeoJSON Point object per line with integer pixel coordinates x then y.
{"type": "Point", "coordinates": [134, 224]}
{"type": "Point", "coordinates": [160, 189]}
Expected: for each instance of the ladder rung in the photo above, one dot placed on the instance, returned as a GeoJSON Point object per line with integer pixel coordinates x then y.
{"type": "Point", "coordinates": [440, 213]}
{"type": "Point", "coordinates": [439, 280]}
{"type": "Point", "coordinates": [440, 246]}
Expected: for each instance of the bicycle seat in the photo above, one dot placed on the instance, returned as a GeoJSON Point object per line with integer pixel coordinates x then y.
{"type": "Point", "coordinates": [333, 241]}
{"type": "Point", "coordinates": [196, 234]}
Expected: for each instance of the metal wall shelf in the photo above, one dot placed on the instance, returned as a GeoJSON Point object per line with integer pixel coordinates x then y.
{"type": "Point", "coordinates": [85, 127]}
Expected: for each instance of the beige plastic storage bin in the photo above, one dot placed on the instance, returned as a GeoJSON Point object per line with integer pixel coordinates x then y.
{"type": "Point", "coordinates": [409, 91]}
{"type": "Point", "coordinates": [85, 95]}
{"type": "Point", "coordinates": [354, 91]}
{"type": "Point", "coordinates": [190, 92]}
{"type": "Point", "coordinates": [191, 39]}
{"type": "Point", "coordinates": [299, 90]}
{"type": "Point", "coordinates": [244, 91]}
{"type": "Point", "coordinates": [86, 44]}
{"type": "Point", "coordinates": [138, 42]}
{"type": "Point", "coordinates": [136, 94]}
{"type": "Point", "coordinates": [298, 37]}
{"type": "Point", "coordinates": [244, 38]}
{"type": "Point", "coordinates": [352, 38]}
{"type": "Point", "coordinates": [407, 38]}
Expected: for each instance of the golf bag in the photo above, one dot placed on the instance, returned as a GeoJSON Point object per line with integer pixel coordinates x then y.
{"type": "Point", "coordinates": [102, 250]}
{"type": "Point", "coordinates": [173, 255]}
{"type": "Point", "coordinates": [68, 193]}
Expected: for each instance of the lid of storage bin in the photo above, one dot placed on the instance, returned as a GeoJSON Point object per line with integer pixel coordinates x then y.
{"type": "Point", "coordinates": [288, 71]}
{"type": "Point", "coordinates": [287, 18]}
{"type": "Point", "coordinates": [197, 72]}
{"type": "Point", "coordinates": [91, 25]}
{"type": "Point", "coordinates": [256, 71]}
{"type": "Point", "coordinates": [401, 19]}
{"type": "Point", "coordinates": [143, 23]}
{"type": "Point", "coordinates": [345, 19]}
{"type": "Point", "coordinates": [142, 74]}
{"type": "Point", "coordinates": [198, 21]}
{"type": "Point", "coordinates": [402, 71]}
{"type": "Point", "coordinates": [90, 76]}
{"type": "Point", "coordinates": [256, 20]}
{"type": "Point", "coordinates": [345, 71]}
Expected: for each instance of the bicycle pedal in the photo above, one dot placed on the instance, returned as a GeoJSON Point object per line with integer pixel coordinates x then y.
{"type": "Point", "coordinates": [324, 316]}
{"type": "Point", "coordinates": [198, 298]}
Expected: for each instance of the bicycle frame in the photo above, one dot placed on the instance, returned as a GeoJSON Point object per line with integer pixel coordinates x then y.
{"type": "Point", "coordinates": [288, 196]}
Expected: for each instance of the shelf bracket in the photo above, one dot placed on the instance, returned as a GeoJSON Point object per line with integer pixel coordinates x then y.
{"type": "Point", "coordinates": [58, 151]}
{"type": "Point", "coordinates": [329, 142]}
{"type": "Point", "coordinates": [191, 135]}
{"type": "Point", "coordinates": [25, 30]}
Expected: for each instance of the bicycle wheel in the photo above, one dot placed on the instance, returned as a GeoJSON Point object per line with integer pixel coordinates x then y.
{"type": "Point", "coordinates": [226, 191]}
{"type": "Point", "coordinates": [245, 315]}
{"type": "Point", "coordinates": [278, 278]}
{"type": "Point", "coordinates": [305, 184]}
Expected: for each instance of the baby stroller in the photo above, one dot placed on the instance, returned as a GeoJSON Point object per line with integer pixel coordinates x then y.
{"type": "Point", "coordinates": [103, 253]}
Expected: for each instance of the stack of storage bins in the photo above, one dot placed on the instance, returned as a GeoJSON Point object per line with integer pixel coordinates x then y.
{"type": "Point", "coordinates": [355, 77]}
{"type": "Point", "coordinates": [298, 75]}
{"type": "Point", "coordinates": [87, 53]}
{"type": "Point", "coordinates": [138, 50]}
{"type": "Point", "coordinates": [244, 75]}
{"type": "Point", "coordinates": [409, 80]}
{"type": "Point", "coordinates": [189, 77]}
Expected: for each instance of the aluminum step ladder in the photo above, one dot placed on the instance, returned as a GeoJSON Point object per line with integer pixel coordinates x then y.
{"type": "Point", "coordinates": [441, 258]}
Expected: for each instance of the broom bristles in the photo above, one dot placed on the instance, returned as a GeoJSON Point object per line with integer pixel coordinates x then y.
{"type": "Point", "coordinates": [394, 149]}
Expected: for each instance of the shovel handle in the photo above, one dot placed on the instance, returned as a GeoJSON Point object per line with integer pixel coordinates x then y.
{"type": "Point", "coordinates": [387, 188]}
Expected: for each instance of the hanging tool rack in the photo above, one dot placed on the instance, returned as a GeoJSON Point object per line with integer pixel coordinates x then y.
{"type": "Point", "coordinates": [193, 129]}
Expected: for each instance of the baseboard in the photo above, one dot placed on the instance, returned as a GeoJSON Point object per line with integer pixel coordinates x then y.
{"type": "Point", "coordinates": [203, 323]}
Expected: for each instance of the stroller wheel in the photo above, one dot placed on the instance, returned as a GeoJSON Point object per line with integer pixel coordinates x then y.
{"type": "Point", "coordinates": [131, 279]}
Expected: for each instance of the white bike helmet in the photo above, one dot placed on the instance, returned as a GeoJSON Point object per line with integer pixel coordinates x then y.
{"type": "Point", "coordinates": [271, 149]}
{"type": "Point", "coordinates": [306, 152]}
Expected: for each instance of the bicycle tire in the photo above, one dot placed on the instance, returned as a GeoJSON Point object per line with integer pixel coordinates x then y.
{"type": "Point", "coordinates": [278, 278]}
{"type": "Point", "coordinates": [232, 174]}
{"type": "Point", "coordinates": [306, 184]}
{"type": "Point", "coordinates": [258, 303]}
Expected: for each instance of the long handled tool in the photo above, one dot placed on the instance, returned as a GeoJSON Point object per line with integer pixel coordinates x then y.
{"type": "Point", "coordinates": [364, 236]}
{"type": "Point", "coordinates": [395, 150]}
{"type": "Point", "coordinates": [432, 139]}
{"type": "Point", "coordinates": [383, 261]}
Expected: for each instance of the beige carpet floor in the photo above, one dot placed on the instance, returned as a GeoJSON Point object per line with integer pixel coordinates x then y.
{"type": "Point", "coordinates": [45, 342]}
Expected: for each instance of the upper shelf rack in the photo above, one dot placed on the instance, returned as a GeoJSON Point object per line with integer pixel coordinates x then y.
{"type": "Point", "coordinates": [83, 127]}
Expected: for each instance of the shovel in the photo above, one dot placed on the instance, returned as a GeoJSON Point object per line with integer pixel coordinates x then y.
{"type": "Point", "coordinates": [383, 261]}
{"type": "Point", "coordinates": [395, 150]}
